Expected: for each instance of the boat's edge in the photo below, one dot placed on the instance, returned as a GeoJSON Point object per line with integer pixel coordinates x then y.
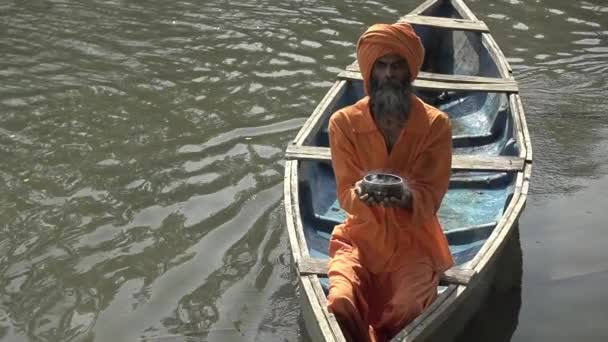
{"type": "Point", "coordinates": [320, 323]}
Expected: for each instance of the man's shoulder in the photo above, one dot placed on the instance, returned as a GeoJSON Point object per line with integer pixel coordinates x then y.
{"type": "Point", "coordinates": [351, 114]}
{"type": "Point", "coordinates": [434, 113]}
{"type": "Point", "coordinates": [435, 116]}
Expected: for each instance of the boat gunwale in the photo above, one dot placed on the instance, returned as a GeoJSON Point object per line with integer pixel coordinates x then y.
{"type": "Point", "coordinates": [327, 323]}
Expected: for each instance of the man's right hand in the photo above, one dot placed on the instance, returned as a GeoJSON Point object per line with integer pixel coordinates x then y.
{"type": "Point", "coordinates": [364, 196]}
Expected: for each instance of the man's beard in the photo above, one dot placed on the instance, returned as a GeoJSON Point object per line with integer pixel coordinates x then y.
{"type": "Point", "coordinates": [391, 98]}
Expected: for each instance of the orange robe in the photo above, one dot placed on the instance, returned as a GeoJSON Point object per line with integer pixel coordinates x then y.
{"type": "Point", "coordinates": [385, 262]}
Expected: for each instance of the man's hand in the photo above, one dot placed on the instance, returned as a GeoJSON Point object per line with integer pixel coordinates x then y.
{"type": "Point", "coordinates": [405, 201]}
{"type": "Point", "coordinates": [364, 196]}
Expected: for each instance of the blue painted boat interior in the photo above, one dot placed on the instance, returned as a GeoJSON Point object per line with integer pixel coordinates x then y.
{"type": "Point", "coordinates": [482, 124]}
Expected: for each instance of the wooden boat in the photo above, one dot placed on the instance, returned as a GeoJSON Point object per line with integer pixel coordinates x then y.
{"type": "Point", "coordinates": [466, 75]}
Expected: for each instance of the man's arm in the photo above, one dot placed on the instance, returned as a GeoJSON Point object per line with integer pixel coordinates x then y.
{"type": "Point", "coordinates": [430, 177]}
{"type": "Point", "coordinates": [347, 168]}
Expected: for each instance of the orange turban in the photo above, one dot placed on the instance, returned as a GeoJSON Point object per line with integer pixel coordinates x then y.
{"type": "Point", "coordinates": [382, 39]}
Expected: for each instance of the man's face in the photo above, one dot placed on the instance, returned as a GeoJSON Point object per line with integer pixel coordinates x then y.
{"type": "Point", "coordinates": [391, 87]}
{"type": "Point", "coordinates": [390, 68]}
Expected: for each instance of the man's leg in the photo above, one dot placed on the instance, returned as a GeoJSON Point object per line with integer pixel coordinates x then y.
{"type": "Point", "coordinates": [347, 287]}
{"type": "Point", "coordinates": [410, 290]}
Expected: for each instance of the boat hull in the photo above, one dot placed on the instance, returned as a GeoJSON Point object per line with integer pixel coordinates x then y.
{"type": "Point", "coordinates": [491, 166]}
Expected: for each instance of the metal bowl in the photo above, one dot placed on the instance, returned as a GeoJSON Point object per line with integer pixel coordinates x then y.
{"type": "Point", "coordinates": [381, 185]}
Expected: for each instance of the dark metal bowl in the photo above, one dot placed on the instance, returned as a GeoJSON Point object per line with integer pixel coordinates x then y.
{"type": "Point", "coordinates": [382, 185]}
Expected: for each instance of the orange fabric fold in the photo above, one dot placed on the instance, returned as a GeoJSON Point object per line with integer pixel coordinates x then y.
{"type": "Point", "coordinates": [387, 237]}
{"type": "Point", "coordinates": [395, 251]}
{"type": "Point", "coordinates": [385, 262]}
{"type": "Point", "coordinates": [375, 307]}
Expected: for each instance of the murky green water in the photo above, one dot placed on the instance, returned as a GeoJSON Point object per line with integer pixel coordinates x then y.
{"type": "Point", "coordinates": [142, 144]}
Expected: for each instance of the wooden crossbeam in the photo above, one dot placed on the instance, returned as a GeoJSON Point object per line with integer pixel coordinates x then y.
{"type": "Point", "coordinates": [453, 83]}
{"type": "Point", "coordinates": [307, 153]}
{"type": "Point", "coordinates": [459, 161]}
{"type": "Point", "coordinates": [457, 276]}
{"type": "Point", "coordinates": [446, 23]}
{"type": "Point", "coordinates": [431, 76]}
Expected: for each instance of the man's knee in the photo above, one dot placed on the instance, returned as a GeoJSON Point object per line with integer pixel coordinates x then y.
{"type": "Point", "coordinates": [341, 295]}
{"type": "Point", "coordinates": [353, 326]}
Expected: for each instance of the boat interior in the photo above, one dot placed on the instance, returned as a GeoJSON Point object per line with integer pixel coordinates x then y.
{"type": "Point", "coordinates": [482, 124]}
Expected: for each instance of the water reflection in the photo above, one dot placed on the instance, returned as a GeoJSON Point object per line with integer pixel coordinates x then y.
{"type": "Point", "coordinates": [498, 315]}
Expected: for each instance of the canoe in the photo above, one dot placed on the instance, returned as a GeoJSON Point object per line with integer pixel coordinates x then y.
{"type": "Point", "coordinates": [466, 75]}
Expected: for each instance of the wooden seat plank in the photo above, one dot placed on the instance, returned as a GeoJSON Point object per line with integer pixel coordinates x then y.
{"type": "Point", "coordinates": [457, 276]}
{"type": "Point", "coordinates": [431, 76]}
{"type": "Point", "coordinates": [446, 23]}
{"type": "Point", "coordinates": [459, 162]}
{"type": "Point", "coordinates": [451, 83]}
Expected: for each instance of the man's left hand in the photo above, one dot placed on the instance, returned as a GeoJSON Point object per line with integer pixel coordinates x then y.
{"type": "Point", "coordinates": [404, 201]}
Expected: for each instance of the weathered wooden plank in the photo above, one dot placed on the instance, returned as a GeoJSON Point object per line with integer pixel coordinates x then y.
{"type": "Point", "coordinates": [462, 9]}
{"type": "Point", "coordinates": [354, 66]}
{"type": "Point", "coordinates": [297, 217]}
{"type": "Point", "coordinates": [331, 319]}
{"type": "Point", "coordinates": [312, 266]}
{"type": "Point", "coordinates": [307, 153]}
{"type": "Point", "coordinates": [316, 118]}
{"type": "Point", "coordinates": [289, 215]}
{"type": "Point", "coordinates": [459, 161]}
{"type": "Point", "coordinates": [446, 23]}
{"type": "Point", "coordinates": [477, 227]}
{"type": "Point", "coordinates": [315, 320]}
{"type": "Point", "coordinates": [430, 76]}
{"type": "Point", "coordinates": [497, 55]}
{"type": "Point", "coordinates": [503, 86]}
{"type": "Point", "coordinates": [525, 131]}
{"type": "Point", "coordinates": [517, 126]}
{"type": "Point", "coordinates": [487, 163]}
{"type": "Point", "coordinates": [426, 6]}
{"type": "Point", "coordinates": [458, 276]}
{"type": "Point", "coordinates": [351, 75]}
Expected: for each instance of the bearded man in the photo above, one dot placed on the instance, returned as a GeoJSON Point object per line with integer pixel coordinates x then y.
{"type": "Point", "coordinates": [387, 257]}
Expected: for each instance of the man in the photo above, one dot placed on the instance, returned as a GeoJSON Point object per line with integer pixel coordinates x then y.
{"type": "Point", "coordinates": [386, 258]}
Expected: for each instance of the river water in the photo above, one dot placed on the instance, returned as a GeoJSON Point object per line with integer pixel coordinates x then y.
{"type": "Point", "coordinates": [142, 163]}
